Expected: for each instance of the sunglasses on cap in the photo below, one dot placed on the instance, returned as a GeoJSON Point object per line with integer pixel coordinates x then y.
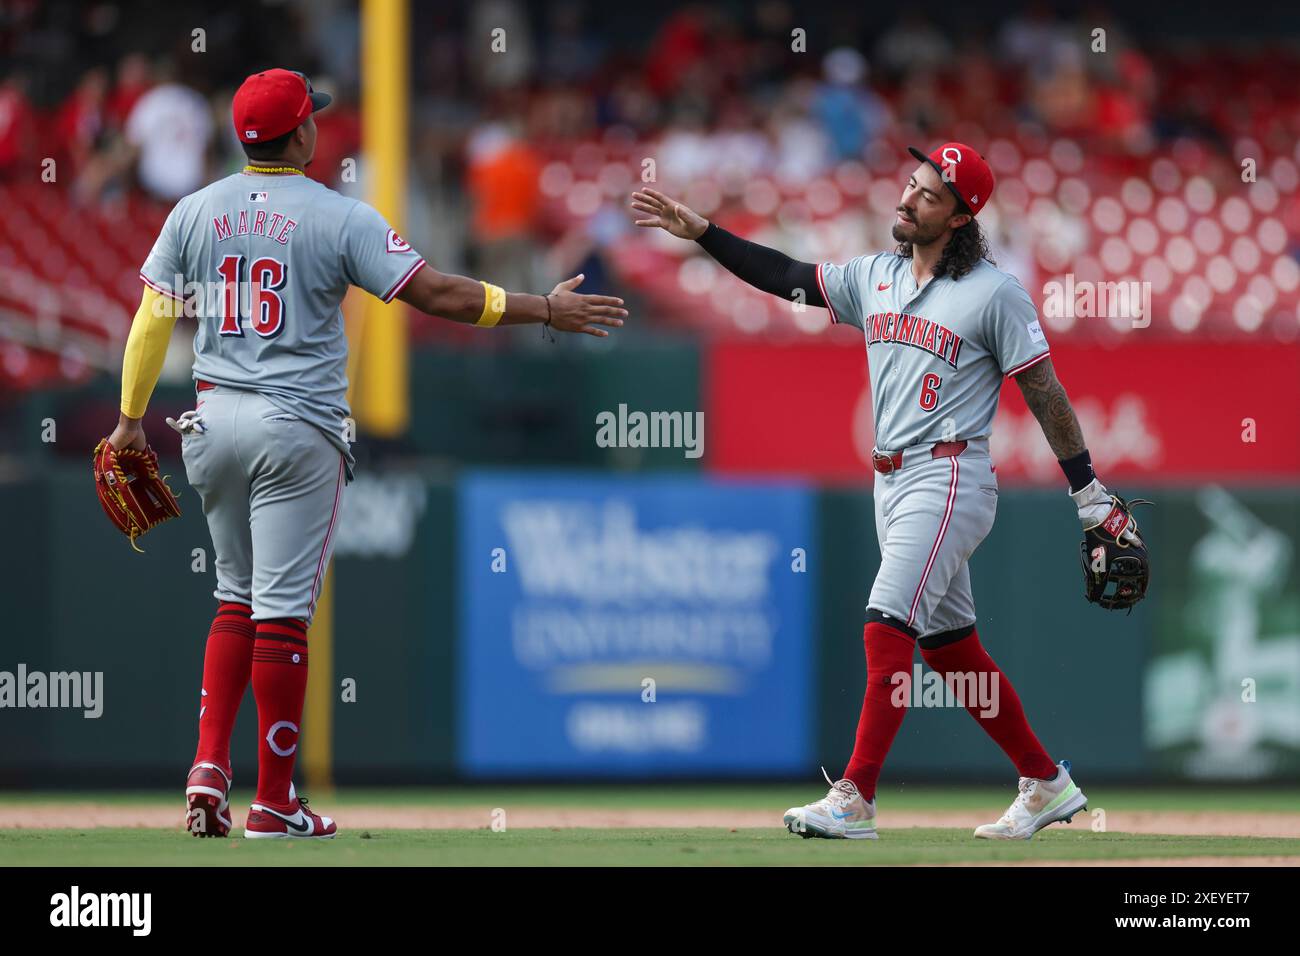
{"type": "Point", "coordinates": [318, 100]}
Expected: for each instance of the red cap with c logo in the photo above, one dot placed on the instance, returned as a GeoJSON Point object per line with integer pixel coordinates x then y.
{"type": "Point", "coordinates": [964, 170]}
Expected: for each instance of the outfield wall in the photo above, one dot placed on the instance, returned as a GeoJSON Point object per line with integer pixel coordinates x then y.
{"type": "Point", "coordinates": [735, 580]}
{"type": "Point", "coordinates": [537, 669]}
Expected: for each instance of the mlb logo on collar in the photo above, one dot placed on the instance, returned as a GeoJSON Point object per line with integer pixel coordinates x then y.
{"type": "Point", "coordinates": [257, 197]}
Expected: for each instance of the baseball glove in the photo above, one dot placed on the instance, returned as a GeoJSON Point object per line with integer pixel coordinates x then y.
{"type": "Point", "coordinates": [134, 495]}
{"type": "Point", "coordinates": [1113, 552]}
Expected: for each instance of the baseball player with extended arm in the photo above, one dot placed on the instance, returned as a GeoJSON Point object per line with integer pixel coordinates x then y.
{"type": "Point", "coordinates": [943, 326]}
{"type": "Point", "coordinates": [263, 259]}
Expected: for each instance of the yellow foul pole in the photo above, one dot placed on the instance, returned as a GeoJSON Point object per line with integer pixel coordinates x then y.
{"type": "Point", "coordinates": [317, 740]}
{"type": "Point", "coordinates": [381, 388]}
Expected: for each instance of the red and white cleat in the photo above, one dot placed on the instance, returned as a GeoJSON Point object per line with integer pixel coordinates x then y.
{"type": "Point", "coordinates": [207, 801]}
{"type": "Point", "coordinates": [265, 823]}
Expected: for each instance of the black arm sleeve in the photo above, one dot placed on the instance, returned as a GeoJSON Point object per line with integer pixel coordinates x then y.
{"type": "Point", "coordinates": [763, 268]}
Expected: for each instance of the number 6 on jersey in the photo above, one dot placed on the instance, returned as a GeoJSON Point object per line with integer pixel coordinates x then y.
{"type": "Point", "coordinates": [266, 307]}
{"type": "Point", "coordinates": [930, 391]}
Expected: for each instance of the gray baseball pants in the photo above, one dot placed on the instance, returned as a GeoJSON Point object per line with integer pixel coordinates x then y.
{"type": "Point", "coordinates": [272, 486]}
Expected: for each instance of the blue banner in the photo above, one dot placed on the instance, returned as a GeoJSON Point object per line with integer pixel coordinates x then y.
{"type": "Point", "coordinates": [628, 626]}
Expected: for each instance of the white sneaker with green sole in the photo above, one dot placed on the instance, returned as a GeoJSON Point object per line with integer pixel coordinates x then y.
{"type": "Point", "coordinates": [1039, 803]}
{"type": "Point", "coordinates": [840, 815]}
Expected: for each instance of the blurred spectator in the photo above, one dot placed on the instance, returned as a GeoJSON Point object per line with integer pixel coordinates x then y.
{"type": "Point", "coordinates": [170, 130]}
{"type": "Point", "coordinates": [132, 82]}
{"type": "Point", "coordinates": [1062, 99]}
{"type": "Point", "coordinates": [774, 60]}
{"type": "Point", "coordinates": [1122, 107]}
{"type": "Point", "coordinates": [334, 30]}
{"type": "Point", "coordinates": [802, 145]}
{"type": "Point", "coordinates": [738, 149]}
{"type": "Point", "coordinates": [631, 103]}
{"type": "Point", "coordinates": [338, 133]}
{"type": "Point", "coordinates": [1029, 37]}
{"type": "Point", "coordinates": [682, 44]}
{"type": "Point", "coordinates": [979, 90]}
{"type": "Point", "coordinates": [82, 120]}
{"type": "Point", "coordinates": [851, 114]}
{"type": "Point", "coordinates": [570, 52]}
{"type": "Point", "coordinates": [503, 184]}
{"type": "Point", "coordinates": [924, 106]}
{"type": "Point", "coordinates": [911, 44]}
{"type": "Point", "coordinates": [560, 116]}
{"type": "Point", "coordinates": [736, 115]}
{"type": "Point", "coordinates": [500, 43]}
{"type": "Point", "coordinates": [16, 122]}
{"type": "Point", "coordinates": [686, 150]}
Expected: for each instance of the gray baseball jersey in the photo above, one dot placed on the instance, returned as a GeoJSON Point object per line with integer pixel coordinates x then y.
{"type": "Point", "coordinates": [936, 356]}
{"type": "Point", "coordinates": [265, 261]}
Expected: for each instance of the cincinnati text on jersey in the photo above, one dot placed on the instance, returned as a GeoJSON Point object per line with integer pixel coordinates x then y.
{"type": "Point", "coordinates": [902, 328]}
{"type": "Point", "coordinates": [265, 222]}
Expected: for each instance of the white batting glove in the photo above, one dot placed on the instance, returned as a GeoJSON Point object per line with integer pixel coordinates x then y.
{"type": "Point", "coordinates": [1095, 504]}
{"type": "Point", "coordinates": [188, 423]}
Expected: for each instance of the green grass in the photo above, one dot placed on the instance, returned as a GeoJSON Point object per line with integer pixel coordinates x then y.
{"type": "Point", "coordinates": [643, 847]}
{"type": "Point", "coordinates": [737, 796]}
{"type": "Point", "coordinates": [651, 847]}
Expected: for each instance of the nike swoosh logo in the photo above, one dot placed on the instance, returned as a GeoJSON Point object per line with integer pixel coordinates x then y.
{"type": "Point", "coordinates": [882, 286]}
{"type": "Point", "coordinates": [841, 816]}
{"type": "Point", "coordinates": [303, 827]}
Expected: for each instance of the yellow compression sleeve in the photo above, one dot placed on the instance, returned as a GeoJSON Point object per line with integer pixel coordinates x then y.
{"type": "Point", "coordinates": [146, 347]}
{"type": "Point", "coordinates": [494, 304]}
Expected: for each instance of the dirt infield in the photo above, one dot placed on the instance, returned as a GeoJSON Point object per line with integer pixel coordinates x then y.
{"type": "Point", "coordinates": [88, 815]}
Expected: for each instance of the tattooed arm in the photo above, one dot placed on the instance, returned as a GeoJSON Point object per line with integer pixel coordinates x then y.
{"type": "Point", "coordinates": [1046, 398]}
{"type": "Point", "coordinates": [1112, 549]}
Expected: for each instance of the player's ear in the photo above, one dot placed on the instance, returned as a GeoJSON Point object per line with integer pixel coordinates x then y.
{"type": "Point", "coordinates": [960, 219]}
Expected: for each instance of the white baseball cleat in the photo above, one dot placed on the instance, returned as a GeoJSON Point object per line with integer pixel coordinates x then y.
{"type": "Point", "coordinates": [840, 815]}
{"type": "Point", "coordinates": [1039, 803]}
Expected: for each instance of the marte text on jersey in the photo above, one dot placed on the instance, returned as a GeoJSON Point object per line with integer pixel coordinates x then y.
{"type": "Point", "coordinates": [266, 223]}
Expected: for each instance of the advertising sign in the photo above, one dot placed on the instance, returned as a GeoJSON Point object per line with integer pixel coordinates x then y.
{"type": "Point", "coordinates": [633, 626]}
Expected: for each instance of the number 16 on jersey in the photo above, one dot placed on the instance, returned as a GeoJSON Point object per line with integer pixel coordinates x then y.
{"type": "Point", "coordinates": [264, 280]}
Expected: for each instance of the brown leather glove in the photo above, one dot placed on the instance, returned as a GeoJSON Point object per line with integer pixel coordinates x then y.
{"type": "Point", "coordinates": [134, 495]}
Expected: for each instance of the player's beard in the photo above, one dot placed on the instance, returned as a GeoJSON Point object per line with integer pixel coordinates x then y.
{"type": "Point", "coordinates": [920, 236]}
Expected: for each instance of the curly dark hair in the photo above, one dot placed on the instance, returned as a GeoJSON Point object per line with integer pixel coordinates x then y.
{"type": "Point", "coordinates": [967, 246]}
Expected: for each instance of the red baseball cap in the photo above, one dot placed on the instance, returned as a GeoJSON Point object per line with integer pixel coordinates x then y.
{"type": "Point", "coordinates": [273, 102]}
{"type": "Point", "coordinates": [964, 170]}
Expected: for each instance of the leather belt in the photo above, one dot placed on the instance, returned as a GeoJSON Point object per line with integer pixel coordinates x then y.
{"type": "Point", "coordinates": [944, 449]}
{"type": "Point", "coordinates": [202, 386]}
